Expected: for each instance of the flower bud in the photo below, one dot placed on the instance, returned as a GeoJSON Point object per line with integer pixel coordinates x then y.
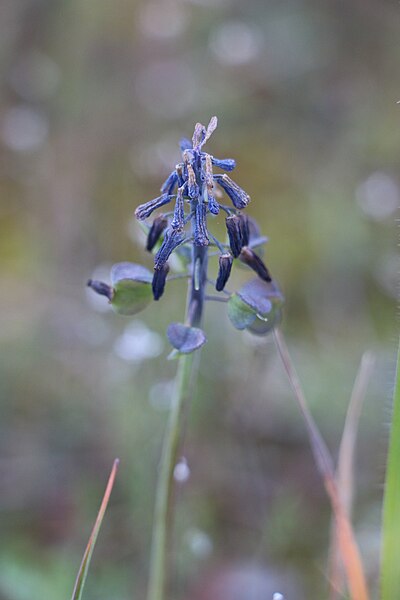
{"type": "Point", "coordinates": [233, 226]}
{"type": "Point", "coordinates": [159, 280]}
{"type": "Point", "coordinates": [158, 226]}
{"type": "Point", "coordinates": [251, 259]}
{"type": "Point", "coordinates": [225, 267]}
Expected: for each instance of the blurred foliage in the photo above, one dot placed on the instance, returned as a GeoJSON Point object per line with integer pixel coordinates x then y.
{"type": "Point", "coordinates": [94, 97]}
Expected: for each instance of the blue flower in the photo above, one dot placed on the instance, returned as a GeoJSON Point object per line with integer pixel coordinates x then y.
{"type": "Point", "coordinates": [196, 190]}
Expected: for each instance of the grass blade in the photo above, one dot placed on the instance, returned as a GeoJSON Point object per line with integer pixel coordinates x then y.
{"type": "Point", "coordinates": [390, 571]}
{"type": "Point", "coordinates": [84, 568]}
{"type": "Point", "coordinates": [347, 543]}
{"type": "Point", "coordinates": [345, 468]}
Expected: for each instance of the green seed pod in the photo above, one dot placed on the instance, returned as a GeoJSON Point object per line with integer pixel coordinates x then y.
{"type": "Point", "coordinates": [132, 288]}
{"type": "Point", "coordinates": [184, 338]}
{"type": "Point", "coordinates": [256, 307]}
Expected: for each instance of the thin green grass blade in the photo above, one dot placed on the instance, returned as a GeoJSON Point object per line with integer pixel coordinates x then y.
{"type": "Point", "coordinates": [390, 571]}
{"type": "Point", "coordinates": [84, 568]}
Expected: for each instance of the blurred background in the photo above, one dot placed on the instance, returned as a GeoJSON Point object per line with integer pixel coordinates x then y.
{"type": "Point", "coordinates": [95, 95]}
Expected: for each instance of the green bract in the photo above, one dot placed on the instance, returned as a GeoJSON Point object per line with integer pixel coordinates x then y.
{"type": "Point", "coordinates": [256, 307]}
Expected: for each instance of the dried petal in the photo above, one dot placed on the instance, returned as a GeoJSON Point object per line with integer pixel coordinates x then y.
{"type": "Point", "coordinates": [209, 173]}
{"type": "Point", "coordinates": [224, 271]}
{"type": "Point", "coordinates": [159, 280]}
{"type": "Point", "coordinates": [185, 144]}
{"type": "Point", "coordinates": [158, 226]}
{"type": "Point", "coordinates": [188, 156]}
{"type": "Point", "coordinates": [200, 233]}
{"type": "Point", "coordinates": [179, 212]}
{"type": "Point", "coordinates": [198, 135]}
{"type": "Point", "coordinates": [193, 188]}
{"type": "Point", "coordinates": [179, 171]}
{"type": "Point", "coordinates": [170, 183]}
{"type": "Point", "coordinates": [251, 259]}
{"type": "Point", "coordinates": [172, 239]}
{"type": "Point", "coordinates": [212, 126]}
{"type": "Point", "coordinates": [213, 205]}
{"type": "Point", "coordinates": [239, 197]}
{"type": "Point", "coordinates": [227, 164]}
{"type": "Point", "coordinates": [144, 210]}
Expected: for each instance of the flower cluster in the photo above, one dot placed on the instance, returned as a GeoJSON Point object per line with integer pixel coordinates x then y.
{"type": "Point", "coordinates": [196, 191]}
{"type": "Point", "coordinates": [195, 195]}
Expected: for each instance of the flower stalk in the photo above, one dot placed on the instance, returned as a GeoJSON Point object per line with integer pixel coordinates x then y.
{"type": "Point", "coordinates": [184, 381]}
{"type": "Point", "coordinates": [162, 512]}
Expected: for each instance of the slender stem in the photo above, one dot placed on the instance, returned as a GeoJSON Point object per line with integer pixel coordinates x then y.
{"type": "Point", "coordinates": [184, 381]}
{"type": "Point", "coordinates": [216, 298]}
{"type": "Point", "coordinates": [161, 525]}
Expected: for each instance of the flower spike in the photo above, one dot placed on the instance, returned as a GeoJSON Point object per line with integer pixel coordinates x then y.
{"type": "Point", "coordinates": [195, 190]}
{"type": "Point", "coordinates": [196, 193]}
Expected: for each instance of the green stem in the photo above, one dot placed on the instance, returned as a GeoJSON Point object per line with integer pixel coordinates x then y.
{"type": "Point", "coordinates": [184, 381]}
{"type": "Point", "coordinates": [161, 523]}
